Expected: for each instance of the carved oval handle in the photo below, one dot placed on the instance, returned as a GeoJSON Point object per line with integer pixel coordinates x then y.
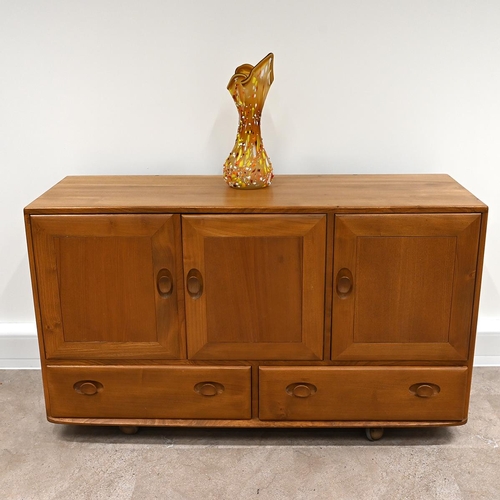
{"type": "Point", "coordinates": [301, 390]}
{"type": "Point", "coordinates": [209, 388]}
{"type": "Point", "coordinates": [88, 387]}
{"type": "Point", "coordinates": [344, 282]}
{"type": "Point", "coordinates": [194, 283]}
{"type": "Point", "coordinates": [165, 283]}
{"type": "Point", "coordinates": [425, 390]}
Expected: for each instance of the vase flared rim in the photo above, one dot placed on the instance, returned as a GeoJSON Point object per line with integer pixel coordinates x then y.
{"type": "Point", "coordinates": [245, 71]}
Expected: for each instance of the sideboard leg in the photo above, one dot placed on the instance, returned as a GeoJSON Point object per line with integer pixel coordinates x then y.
{"type": "Point", "coordinates": [129, 429]}
{"type": "Point", "coordinates": [374, 433]}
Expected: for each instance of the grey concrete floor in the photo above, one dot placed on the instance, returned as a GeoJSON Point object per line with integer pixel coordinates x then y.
{"type": "Point", "coordinates": [39, 460]}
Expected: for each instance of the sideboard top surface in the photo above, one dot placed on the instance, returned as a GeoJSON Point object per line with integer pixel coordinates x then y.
{"type": "Point", "coordinates": [288, 193]}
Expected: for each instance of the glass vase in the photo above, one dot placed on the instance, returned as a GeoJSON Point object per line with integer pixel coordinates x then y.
{"type": "Point", "coordinates": [248, 166]}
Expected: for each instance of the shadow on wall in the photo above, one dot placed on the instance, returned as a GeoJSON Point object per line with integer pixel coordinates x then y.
{"type": "Point", "coordinates": [490, 296]}
{"type": "Point", "coordinates": [220, 141]}
{"type": "Point", "coordinates": [16, 299]}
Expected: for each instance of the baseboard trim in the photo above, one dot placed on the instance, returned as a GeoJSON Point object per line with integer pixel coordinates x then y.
{"type": "Point", "coordinates": [19, 345]}
{"type": "Point", "coordinates": [487, 342]}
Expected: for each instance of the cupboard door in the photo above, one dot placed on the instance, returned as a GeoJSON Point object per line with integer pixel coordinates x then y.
{"type": "Point", "coordinates": [404, 286]}
{"type": "Point", "coordinates": [254, 286]}
{"type": "Point", "coordinates": [107, 285]}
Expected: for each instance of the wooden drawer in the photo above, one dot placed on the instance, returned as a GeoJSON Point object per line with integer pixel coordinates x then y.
{"type": "Point", "coordinates": [362, 393]}
{"type": "Point", "coordinates": [149, 392]}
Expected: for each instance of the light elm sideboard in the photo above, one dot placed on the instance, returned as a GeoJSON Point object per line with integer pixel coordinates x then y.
{"type": "Point", "coordinates": [321, 301]}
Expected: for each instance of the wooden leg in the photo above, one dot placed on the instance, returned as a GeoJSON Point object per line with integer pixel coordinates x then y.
{"type": "Point", "coordinates": [129, 429]}
{"type": "Point", "coordinates": [374, 433]}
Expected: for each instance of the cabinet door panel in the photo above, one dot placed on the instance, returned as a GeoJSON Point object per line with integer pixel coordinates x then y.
{"type": "Point", "coordinates": [271, 280]}
{"type": "Point", "coordinates": [262, 280]}
{"type": "Point", "coordinates": [412, 286]}
{"type": "Point", "coordinates": [107, 285]}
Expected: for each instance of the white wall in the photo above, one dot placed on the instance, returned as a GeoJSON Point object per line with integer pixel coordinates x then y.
{"type": "Point", "coordinates": [138, 87]}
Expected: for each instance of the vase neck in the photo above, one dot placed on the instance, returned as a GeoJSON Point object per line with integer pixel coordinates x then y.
{"type": "Point", "coordinates": [249, 124]}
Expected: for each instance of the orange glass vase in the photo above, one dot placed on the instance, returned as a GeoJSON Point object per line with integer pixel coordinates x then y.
{"type": "Point", "coordinates": [248, 166]}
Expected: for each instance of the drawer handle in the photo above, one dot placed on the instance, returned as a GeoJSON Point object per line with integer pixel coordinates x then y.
{"type": "Point", "coordinates": [194, 283]}
{"type": "Point", "coordinates": [301, 390]}
{"type": "Point", "coordinates": [165, 283]}
{"type": "Point", "coordinates": [209, 389]}
{"type": "Point", "coordinates": [88, 387]}
{"type": "Point", "coordinates": [344, 283]}
{"type": "Point", "coordinates": [425, 390]}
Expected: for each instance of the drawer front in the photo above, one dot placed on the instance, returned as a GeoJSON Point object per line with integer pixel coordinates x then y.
{"type": "Point", "coordinates": [362, 393]}
{"type": "Point", "coordinates": [149, 392]}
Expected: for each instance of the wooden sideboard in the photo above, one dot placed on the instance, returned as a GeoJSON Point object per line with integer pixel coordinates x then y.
{"type": "Point", "coordinates": [322, 301]}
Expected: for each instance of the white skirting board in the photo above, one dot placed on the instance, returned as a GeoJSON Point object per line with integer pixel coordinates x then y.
{"type": "Point", "coordinates": [19, 345]}
{"type": "Point", "coordinates": [487, 342]}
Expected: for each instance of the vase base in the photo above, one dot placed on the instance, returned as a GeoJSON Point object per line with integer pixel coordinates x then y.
{"type": "Point", "coordinates": [247, 179]}
{"type": "Point", "coordinates": [235, 185]}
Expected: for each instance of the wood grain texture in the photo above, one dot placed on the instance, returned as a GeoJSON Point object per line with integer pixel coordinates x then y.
{"type": "Point", "coordinates": [288, 193]}
{"type": "Point", "coordinates": [97, 285]}
{"type": "Point", "coordinates": [475, 305]}
{"type": "Point", "coordinates": [414, 278]}
{"type": "Point", "coordinates": [370, 394]}
{"type": "Point", "coordinates": [150, 392]}
{"type": "Point", "coordinates": [254, 423]}
{"type": "Point", "coordinates": [364, 269]}
{"type": "Point", "coordinates": [263, 291]}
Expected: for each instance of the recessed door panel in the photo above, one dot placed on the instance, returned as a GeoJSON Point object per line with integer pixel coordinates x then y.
{"type": "Point", "coordinates": [255, 286]}
{"type": "Point", "coordinates": [107, 285]}
{"type": "Point", "coordinates": [413, 275]}
{"type": "Point", "coordinates": [411, 286]}
{"type": "Point", "coordinates": [267, 272]}
{"type": "Point", "coordinates": [95, 274]}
